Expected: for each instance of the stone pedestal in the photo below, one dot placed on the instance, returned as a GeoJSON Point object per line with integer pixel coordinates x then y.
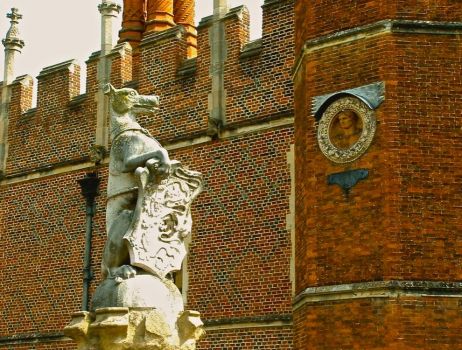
{"type": "Point", "coordinates": [115, 328]}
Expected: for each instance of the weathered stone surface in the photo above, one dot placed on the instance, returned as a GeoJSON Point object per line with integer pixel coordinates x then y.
{"type": "Point", "coordinates": [141, 291]}
{"type": "Point", "coordinates": [135, 328]}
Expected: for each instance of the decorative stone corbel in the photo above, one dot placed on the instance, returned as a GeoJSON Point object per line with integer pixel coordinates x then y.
{"type": "Point", "coordinates": [346, 180]}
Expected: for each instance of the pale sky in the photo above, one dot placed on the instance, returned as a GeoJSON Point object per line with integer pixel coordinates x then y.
{"type": "Point", "coordinates": [55, 31]}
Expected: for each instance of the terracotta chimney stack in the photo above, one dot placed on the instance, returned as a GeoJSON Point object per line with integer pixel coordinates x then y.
{"type": "Point", "coordinates": [183, 13]}
{"type": "Point", "coordinates": [159, 15]}
{"type": "Point", "coordinates": [133, 22]}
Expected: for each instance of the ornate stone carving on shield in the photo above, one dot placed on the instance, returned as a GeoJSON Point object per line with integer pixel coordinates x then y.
{"type": "Point", "coordinates": [346, 129]}
{"type": "Point", "coordinates": [162, 219]}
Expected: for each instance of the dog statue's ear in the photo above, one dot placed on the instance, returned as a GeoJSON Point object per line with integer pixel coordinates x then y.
{"type": "Point", "coordinates": [108, 89]}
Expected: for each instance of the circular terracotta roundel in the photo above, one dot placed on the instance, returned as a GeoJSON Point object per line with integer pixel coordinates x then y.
{"type": "Point", "coordinates": [346, 129]}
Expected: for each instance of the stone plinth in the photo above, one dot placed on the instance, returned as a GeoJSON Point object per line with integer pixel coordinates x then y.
{"type": "Point", "coordinates": [117, 328]}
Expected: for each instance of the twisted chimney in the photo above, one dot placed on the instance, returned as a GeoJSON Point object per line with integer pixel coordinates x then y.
{"type": "Point", "coordinates": [133, 22]}
{"type": "Point", "coordinates": [183, 14]}
{"type": "Point", "coordinates": [143, 17]}
{"type": "Point", "coordinates": [159, 15]}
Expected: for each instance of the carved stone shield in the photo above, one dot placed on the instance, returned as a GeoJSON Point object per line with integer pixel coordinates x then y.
{"type": "Point", "coordinates": [162, 219]}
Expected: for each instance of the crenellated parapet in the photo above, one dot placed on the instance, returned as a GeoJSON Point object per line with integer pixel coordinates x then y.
{"type": "Point", "coordinates": [238, 272]}
{"type": "Point", "coordinates": [59, 130]}
{"type": "Point", "coordinates": [256, 75]}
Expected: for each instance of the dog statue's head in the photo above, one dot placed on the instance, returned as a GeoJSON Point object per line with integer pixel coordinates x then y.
{"type": "Point", "coordinates": [129, 100]}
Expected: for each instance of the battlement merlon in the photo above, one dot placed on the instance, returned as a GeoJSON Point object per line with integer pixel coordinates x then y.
{"type": "Point", "coordinates": [161, 55]}
{"type": "Point", "coordinates": [236, 32]}
{"type": "Point", "coordinates": [57, 85]}
{"type": "Point", "coordinates": [22, 94]}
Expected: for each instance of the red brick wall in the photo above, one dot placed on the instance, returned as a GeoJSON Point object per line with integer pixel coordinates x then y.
{"type": "Point", "coordinates": [43, 232]}
{"type": "Point", "coordinates": [428, 172]}
{"type": "Point", "coordinates": [253, 339]}
{"type": "Point", "coordinates": [380, 323]}
{"type": "Point", "coordinates": [326, 17]}
{"type": "Point", "coordinates": [183, 109]}
{"type": "Point", "coordinates": [404, 216]}
{"type": "Point", "coordinates": [342, 240]}
{"type": "Point", "coordinates": [241, 215]}
{"type": "Point", "coordinates": [401, 223]}
{"type": "Point", "coordinates": [258, 87]}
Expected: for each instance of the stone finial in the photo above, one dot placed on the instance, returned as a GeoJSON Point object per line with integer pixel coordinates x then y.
{"type": "Point", "coordinates": [109, 8]}
{"type": "Point", "coordinates": [12, 40]}
{"type": "Point", "coordinates": [15, 16]}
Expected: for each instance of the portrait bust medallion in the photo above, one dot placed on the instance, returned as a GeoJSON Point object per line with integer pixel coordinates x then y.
{"type": "Point", "coordinates": [346, 129]}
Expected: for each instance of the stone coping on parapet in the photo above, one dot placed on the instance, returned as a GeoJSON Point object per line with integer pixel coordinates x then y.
{"type": "Point", "coordinates": [174, 32]}
{"type": "Point", "coordinates": [77, 100]}
{"type": "Point", "coordinates": [93, 56]}
{"type": "Point", "coordinates": [258, 321]}
{"type": "Point", "coordinates": [29, 113]}
{"type": "Point", "coordinates": [233, 12]}
{"type": "Point", "coordinates": [23, 79]}
{"type": "Point", "coordinates": [268, 3]}
{"type": "Point", "coordinates": [118, 50]}
{"type": "Point", "coordinates": [32, 338]}
{"type": "Point", "coordinates": [252, 48]}
{"type": "Point", "coordinates": [46, 170]}
{"type": "Point", "coordinates": [377, 289]}
{"type": "Point", "coordinates": [133, 84]}
{"type": "Point", "coordinates": [388, 26]}
{"type": "Point", "coordinates": [66, 65]}
{"type": "Point", "coordinates": [188, 67]}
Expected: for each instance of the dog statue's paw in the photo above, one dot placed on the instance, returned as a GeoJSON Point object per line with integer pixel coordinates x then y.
{"type": "Point", "coordinates": [158, 168]}
{"type": "Point", "coordinates": [124, 272]}
{"type": "Point", "coordinates": [163, 170]}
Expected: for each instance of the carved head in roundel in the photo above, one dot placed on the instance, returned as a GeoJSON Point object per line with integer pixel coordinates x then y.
{"type": "Point", "coordinates": [346, 129]}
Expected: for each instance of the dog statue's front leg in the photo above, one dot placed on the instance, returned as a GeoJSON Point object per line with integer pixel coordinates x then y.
{"type": "Point", "coordinates": [116, 259]}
